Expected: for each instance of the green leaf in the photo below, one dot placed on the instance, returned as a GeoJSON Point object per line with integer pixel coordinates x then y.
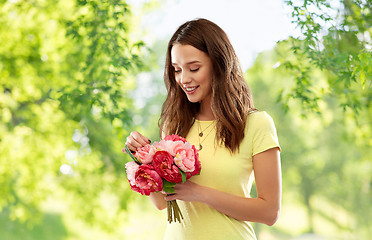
{"type": "Point", "coordinates": [131, 155]}
{"type": "Point", "coordinates": [183, 174]}
{"type": "Point", "coordinates": [168, 186]}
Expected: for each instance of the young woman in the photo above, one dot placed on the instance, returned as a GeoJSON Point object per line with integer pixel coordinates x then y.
{"type": "Point", "coordinates": [210, 104]}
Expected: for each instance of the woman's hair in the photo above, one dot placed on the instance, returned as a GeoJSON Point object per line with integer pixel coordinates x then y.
{"type": "Point", "coordinates": [231, 99]}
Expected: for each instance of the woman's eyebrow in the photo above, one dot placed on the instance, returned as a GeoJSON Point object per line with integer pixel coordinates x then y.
{"type": "Point", "coordinates": [188, 63]}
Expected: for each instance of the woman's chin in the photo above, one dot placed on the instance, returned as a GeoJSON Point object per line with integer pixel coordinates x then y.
{"type": "Point", "coordinates": [193, 100]}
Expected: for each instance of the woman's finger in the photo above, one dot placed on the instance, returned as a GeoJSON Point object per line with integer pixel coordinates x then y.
{"type": "Point", "coordinates": [170, 197]}
{"type": "Point", "coordinates": [136, 140]}
{"type": "Point", "coordinates": [132, 144]}
{"type": "Point", "coordinates": [140, 138]}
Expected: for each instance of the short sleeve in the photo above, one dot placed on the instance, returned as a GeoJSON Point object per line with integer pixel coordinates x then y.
{"type": "Point", "coordinates": [264, 134]}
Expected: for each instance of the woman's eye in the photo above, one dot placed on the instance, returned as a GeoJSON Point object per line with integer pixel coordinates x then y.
{"type": "Point", "coordinates": [177, 70]}
{"type": "Point", "coordinates": [194, 70]}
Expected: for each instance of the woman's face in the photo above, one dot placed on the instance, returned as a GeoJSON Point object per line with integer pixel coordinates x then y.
{"type": "Point", "coordinates": [193, 72]}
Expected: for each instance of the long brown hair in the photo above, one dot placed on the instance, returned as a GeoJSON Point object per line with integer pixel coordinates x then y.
{"type": "Point", "coordinates": [231, 100]}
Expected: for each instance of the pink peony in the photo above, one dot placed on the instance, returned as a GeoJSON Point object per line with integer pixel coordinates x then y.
{"type": "Point", "coordinates": [145, 154]}
{"type": "Point", "coordinates": [175, 137]}
{"type": "Point", "coordinates": [197, 164]}
{"type": "Point", "coordinates": [147, 180]}
{"type": "Point", "coordinates": [132, 168]}
{"type": "Point", "coordinates": [168, 146]}
{"type": "Point", "coordinates": [185, 157]}
{"type": "Point", "coordinates": [164, 165]}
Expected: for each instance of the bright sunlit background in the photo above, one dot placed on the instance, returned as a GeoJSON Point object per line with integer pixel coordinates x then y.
{"type": "Point", "coordinates": [252, 26]}
{"type": "Point", "coordinates": [76, 77]}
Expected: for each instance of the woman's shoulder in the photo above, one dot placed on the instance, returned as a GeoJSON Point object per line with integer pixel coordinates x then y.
{"type": "Point", "coordinates": [261, 132]}
{"type": "Point", "coordinates": [258, 115]}
{"type": "Point", "coordinates": [259, 119]}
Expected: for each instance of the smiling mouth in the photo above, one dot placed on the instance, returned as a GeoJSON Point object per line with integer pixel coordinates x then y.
{"type": "Point", "coordinates": [190, 90]}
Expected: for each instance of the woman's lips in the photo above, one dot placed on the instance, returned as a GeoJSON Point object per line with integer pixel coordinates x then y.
{"type": "Point", "coordinates": [190, 90]}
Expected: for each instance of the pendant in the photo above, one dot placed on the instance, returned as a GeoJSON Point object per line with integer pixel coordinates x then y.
{"type": "Point", "coordinates": [201, 134]}
{"type": "Point", "coordinates": [200, 147]}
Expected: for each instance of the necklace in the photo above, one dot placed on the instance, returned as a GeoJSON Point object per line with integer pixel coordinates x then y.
{"type": "Point", "coordinates": [201, 134]}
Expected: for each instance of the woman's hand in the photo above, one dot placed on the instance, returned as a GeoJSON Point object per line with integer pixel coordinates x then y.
{"type": "Point", "coordinates": [136, 140]}
{"type": "Point", "coordinates": [187, 191]}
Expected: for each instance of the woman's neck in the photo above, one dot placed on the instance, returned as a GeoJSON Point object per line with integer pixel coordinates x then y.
{"type": "Point", "coordinates": [205, 112]}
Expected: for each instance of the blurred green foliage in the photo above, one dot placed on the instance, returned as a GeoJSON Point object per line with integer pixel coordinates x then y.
{"type": "Point", "coordinates": [336, 37]}
{"type": "Point", "coordinates": [65, 69]}
{"type": "Point", "coordinates": [326, 78]}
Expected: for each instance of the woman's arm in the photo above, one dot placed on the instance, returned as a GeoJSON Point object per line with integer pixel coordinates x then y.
{"type": "Point", "coordinates": [264, 209]}
{"type": "Point", "coordinates": [157, 198]}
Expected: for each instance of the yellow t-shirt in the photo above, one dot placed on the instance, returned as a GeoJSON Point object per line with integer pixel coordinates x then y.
{"type": "Point", "coordinates": [221, 170]}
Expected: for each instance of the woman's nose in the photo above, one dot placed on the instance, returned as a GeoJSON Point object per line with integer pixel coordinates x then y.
{"type": "Point", "coordinates": [185, 78]}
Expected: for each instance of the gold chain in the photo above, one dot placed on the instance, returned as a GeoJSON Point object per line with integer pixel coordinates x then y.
{"type": "Point", "coordinates": [201, 134]}
{"type": "Point", "coordinates": [201, 130]}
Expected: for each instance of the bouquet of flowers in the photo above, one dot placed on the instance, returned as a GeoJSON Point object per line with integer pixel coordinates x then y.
{"type": "Point", "coordinates": [158, 167]}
